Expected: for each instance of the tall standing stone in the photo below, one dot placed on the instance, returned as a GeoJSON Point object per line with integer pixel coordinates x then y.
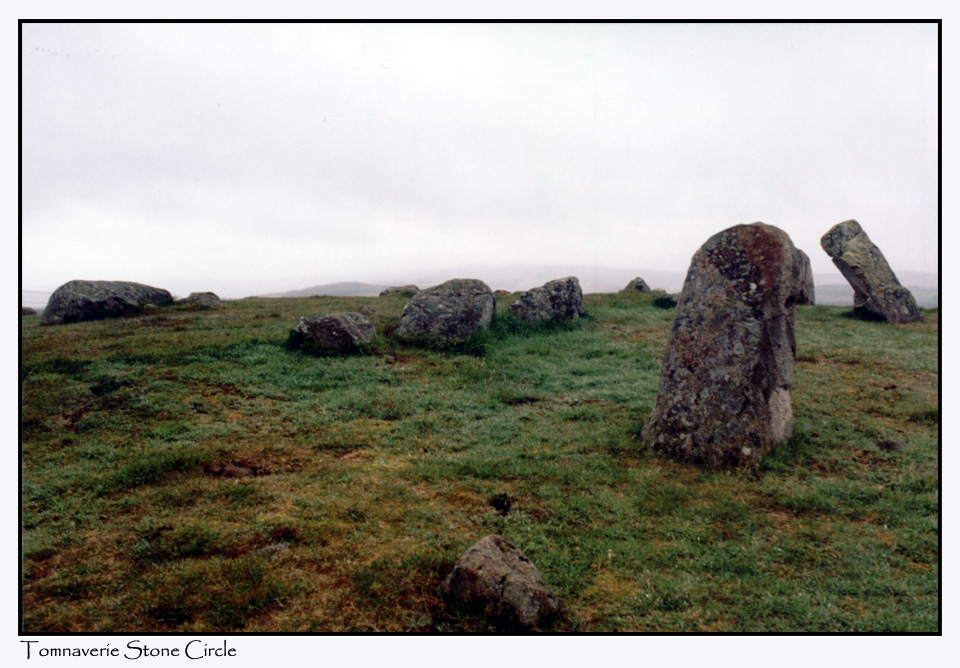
{"type": "Point", "coordinates": [876, 290]}
{"type": "Point", "coordinates": [724, 393]}
{"type": "Point", "coordinates": [805, 294]}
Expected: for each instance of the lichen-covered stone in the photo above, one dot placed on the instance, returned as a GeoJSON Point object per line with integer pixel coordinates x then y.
{"type": "Point", "coordinates": [560, 299]}
{"type": "Point", "coordinates": [494, 578]}
{"type": "Point", "coordinates": [637, 285]}
{"type": "Point", "coordinates": [76, 301]}
{"type": "Point", "coordinates": [805, 293]}
{"type": "Point", "coordinates": [335, 332]}
{"type": "Point", "coordinates": [876, 290]}
{"type": "Point", "coordinates": [724, 393]}
{"type": "Point", "coordinates": [448, 313]}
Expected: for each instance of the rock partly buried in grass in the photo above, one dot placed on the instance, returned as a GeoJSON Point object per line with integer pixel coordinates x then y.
{"type": "Point", "coordinates": [205, 300]}
{"type": "Point", "coordinates": [448, 313]}
{"type": "Point", "coordinates": [560, 299]}
{"type": "Point", "coordinates": [724, 393]}
{"type": "Point", "coordinates": [26, 310]}
{"type": "Point", "coordinates": [805, 293]}
{"type": "Point", "coordinates": [495, 579]}
{"type": "Point", "coordinates": [876, 290]}
{"type": "Point", "coordinates": [402, 290]}
{"type": "Point", "coordinates": [76, 301]}
{"type": "Point", "coordinates": [637, 285]}
{"type": "Point", "coordinates": [332, 333]}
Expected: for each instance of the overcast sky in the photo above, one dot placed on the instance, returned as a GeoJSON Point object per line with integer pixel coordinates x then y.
{"type": "Point", "coordinates": [253, 158]}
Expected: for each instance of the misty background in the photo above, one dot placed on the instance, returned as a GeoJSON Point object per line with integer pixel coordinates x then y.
{"type": "Point", "coordinates": [253, 159]}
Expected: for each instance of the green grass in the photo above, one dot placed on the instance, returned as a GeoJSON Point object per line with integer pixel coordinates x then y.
{"type": "Point", "coordinates": [373, 472]}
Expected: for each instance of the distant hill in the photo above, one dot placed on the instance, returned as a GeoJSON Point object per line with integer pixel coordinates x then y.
{"type": "Point", "coordinates": [348, 289]}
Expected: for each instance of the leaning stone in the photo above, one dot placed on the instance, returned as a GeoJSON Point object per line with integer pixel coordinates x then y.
{"type": "Point", "coordinates": [495, 579]}
{"type": "Point", "coordinates": [448, 313]}
{"type": "Point", "coordinates": [202, 300]}
{"type": "Point", "coordinates": [637, 285]}
{"type": "Point", "coordinates": [560, 299]}
{"type": "Point", "coordinates": [876, 290]}
{"type": "Point", "coordinates": [805, 294]}
{"type": "Point", "coordinates": [724, 393]}
{"type": "Point", "coordinates": [76, 301]}
{"type": "Point", "coordinates": [335, 332]}
{"type": "Point", "coordinates": [403, 290]}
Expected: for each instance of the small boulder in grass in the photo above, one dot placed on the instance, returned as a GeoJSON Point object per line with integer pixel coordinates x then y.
{"type": "Point", "coordinates": [332, 333]}
{"type": "Point", "coordinates": [495, 579]}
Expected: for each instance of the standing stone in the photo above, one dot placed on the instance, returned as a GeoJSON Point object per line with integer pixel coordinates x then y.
{"type": "Point", "coordinates": [448, 313]}
{"type": "Point", "coordinates": [805, 294]}
{"type": "Point", "coordinates": [206, 300]}
{"type": "Point", "coordinates": [724, 394]}
{"type": "Point", "coordinates": [876, 290]}
{"type": "Point", "coordinates": [95, 300]}
{"type": "Point", "coordinates": [637, 285]}
{"type": "Point", "coordinates": [334, 332]}
{"type": "Point", "coordinates": [495, 578]}
{"type": "Point", "coordinates": [560, 299]}
{"type": "Point", "coordinates": [403, 290]}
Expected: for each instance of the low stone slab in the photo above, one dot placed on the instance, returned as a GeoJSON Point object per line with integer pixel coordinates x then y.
{"type": "Point", "coordinates": [76, 301]}
{"type": "Point", "coordinates": [494, 578]}
{"type": "Point", "coordinates": [448, 313]}
{"type": "Point", "coordinates": [876, 290]}
{"type": "Point", "coordinates": [560, 299]}
{"type": "Point", "coordinates": [334, 332]}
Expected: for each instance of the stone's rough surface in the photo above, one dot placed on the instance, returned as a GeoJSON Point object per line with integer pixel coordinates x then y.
{"type": "Point", "coordinates": [201, 299]}
{"type": "Point", "coordinates": [335, 332]}
{"type": "Point", "coordinates": [805, 293]}
{"type": "Point", "coordinates": [404, 290]}
{"type": "Point", "coordinates": [95, 300]}
{"type": "Point", "coordinates": [494, 578]}
{"type": "Point", "coordinates": [561, 299]}
{"type": "Point", "coordinates": [876, 289]}
{"type": "Point", "coordinates": [724, 393]}
{"type": "Point", "coordinates": [637, 285]}
{"type": "Point", "coordinates": [448, 313]}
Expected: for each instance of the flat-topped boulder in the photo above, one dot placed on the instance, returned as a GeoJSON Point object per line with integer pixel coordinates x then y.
{"type": "Point", "coordinates": [448, 313]}
{"type": "Point", "coordinates": [496, 579]}
{"type": "Point", "coordinates": [77, 301]}
{"type": "Point", "coordinates": [331, 333]}
{"type": "Point", "coordinates": [560, 299]}
{"type": "Point", "coordinates": [725, 380]}
{"type": "Point", "coordinates": [876, 290]}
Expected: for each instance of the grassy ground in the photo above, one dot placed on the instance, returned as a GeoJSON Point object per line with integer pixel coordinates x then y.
{"type": "Point", "coordinates": [185, 471]}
